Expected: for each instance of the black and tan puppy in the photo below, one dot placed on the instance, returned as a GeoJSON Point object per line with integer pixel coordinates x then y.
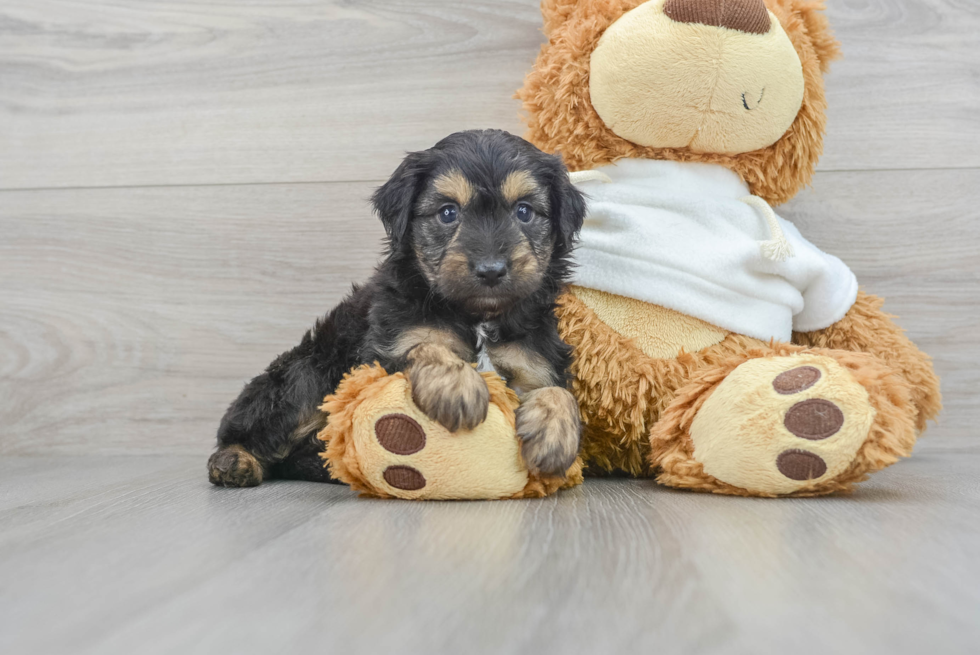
{"type": "Point", "coordinates": [480, 228]}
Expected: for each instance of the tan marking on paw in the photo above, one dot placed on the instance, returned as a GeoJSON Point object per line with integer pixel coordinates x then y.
{"type": "Point", "coordinates": [550, 431]}
{"type": "Point", "coordinates": [414, 336]}
{"type": "Point", "coordinates": [454, 185]}
{"type": "Point", "coordinates": [446, 388]}
{"type": "Point", "coordinates": [524, 370]}
{"type": "Point", "coordinates": [233, 466]}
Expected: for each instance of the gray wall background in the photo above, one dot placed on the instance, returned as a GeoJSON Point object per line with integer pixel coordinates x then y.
{"type": "Point", "coordinates": [183, 188]}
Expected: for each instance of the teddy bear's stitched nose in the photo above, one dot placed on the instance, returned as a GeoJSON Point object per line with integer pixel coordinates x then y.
{"type": "Point", "coordinates": [743, 15]}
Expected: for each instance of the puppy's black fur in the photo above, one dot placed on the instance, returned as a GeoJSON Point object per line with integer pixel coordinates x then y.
{"type": "Point", "coordinates": [480, 228]}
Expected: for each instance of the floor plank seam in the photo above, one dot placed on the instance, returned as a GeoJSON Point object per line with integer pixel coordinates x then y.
{"type": "Point", "coordinates": [108, 187]}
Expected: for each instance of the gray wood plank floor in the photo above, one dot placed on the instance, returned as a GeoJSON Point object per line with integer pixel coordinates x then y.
{"type": "Point", "coordinates": [141, 555]}
{"type": "Point", "coordinates": [183, 189]}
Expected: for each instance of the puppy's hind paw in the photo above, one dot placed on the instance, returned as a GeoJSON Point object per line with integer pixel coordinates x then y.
{"type": "Point", "coordinates": [233, 466]}
{"type": "Point", "coordinates": [447, 389]}
{"type": "Point", "coordinates": [550, 431]}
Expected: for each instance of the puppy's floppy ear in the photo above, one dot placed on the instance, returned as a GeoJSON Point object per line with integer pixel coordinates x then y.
{"type": "Point", "coordinates": [567, 205]}
{"type": "Point", "coordinates": [394, 201]}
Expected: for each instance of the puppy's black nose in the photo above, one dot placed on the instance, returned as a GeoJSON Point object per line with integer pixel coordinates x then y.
{"type": "Point", "coordinates": [490, 272]}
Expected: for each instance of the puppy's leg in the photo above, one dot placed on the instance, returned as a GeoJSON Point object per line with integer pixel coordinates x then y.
{"type": "Point", "coordinates": [446, 388]}
{"type": "Point", "coordinates": [548, 419]}
{"type": "Point", "coordinates": [304, 463]}
{"type": "Point", "coordinates": [269, 419]}
{"type": "Point", "coordinates": [550, 430]}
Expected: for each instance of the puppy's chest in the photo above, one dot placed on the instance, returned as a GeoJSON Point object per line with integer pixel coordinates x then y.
{"type": "Point", "coordinates": [485, 333]}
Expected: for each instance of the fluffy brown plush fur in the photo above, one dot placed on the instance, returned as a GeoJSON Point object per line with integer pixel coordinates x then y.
{"type": "Point", "coordinates": [868, 328]}
{"type": "Point", "coordinates": [561, 116]}
{"type": "Point", "coordinates": [892, 433]}
{"type": "Point", "coordinates": [638, 409]}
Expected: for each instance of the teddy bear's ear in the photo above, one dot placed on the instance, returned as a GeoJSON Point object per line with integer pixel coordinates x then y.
{"type": "Point", "coordinates": [555, 12]}
{"type": "Point", "coordinates": [817, 27]}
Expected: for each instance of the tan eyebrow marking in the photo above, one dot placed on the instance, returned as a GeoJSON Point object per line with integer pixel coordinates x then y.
{"type": "Point", "coordinates": [454, 185]}
{"type": "Point", "coordinates": [518, 185]}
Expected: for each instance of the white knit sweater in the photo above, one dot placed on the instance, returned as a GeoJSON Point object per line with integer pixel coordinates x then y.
{"type": "Point", "coordinates": [690, 237]}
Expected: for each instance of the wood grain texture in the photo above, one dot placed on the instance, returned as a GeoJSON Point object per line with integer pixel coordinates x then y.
{"type": "Point", "coordinates": [133, 316]}
{"type": "Point", "coordinates": [141, 554]}
{"type": "Point", "coordinates": [171, 92]}
{"type": "Point", "coordinates": [904, 94]}
{"type": "Point", "coordinates": [104, 93]}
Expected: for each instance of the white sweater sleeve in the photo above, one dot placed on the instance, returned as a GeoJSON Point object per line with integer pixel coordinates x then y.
{"type": "Point", "coordinates": [829, 288]}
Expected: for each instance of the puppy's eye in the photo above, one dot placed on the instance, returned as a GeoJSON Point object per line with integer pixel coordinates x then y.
{"type": "Point", "coordinates": [524, 212]}
{"type": "Point", "coordinates": [448, 214]}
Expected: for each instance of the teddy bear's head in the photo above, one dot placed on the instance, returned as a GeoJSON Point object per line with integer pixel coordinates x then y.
{"type": "Point", "coordinates": [732, 82]}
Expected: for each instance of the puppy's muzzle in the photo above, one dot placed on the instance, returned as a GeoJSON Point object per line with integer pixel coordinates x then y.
{"type": "Point", "coordinates": [490, 272]}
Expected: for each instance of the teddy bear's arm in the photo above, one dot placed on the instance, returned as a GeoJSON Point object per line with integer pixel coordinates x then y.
{"type": "Point", "coordinates": [867, 328]}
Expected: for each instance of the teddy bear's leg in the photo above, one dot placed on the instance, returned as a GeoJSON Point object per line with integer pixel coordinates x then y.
{"type": "Point", "coordinates": [867, 328]}
{"type": "Point", "coordinates": [381, 443]}
{"type": "Point", "coordinates": [784, 421]}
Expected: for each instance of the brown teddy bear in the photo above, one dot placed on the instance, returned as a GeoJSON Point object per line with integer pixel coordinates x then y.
{"type": "Point", "coordinates": [715, 347]}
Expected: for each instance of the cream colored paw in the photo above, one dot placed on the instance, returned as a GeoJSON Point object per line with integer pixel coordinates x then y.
{"type": "Point", "coordinates": [403, 453]}
{"type": "Point", "coordinates": [782, 424]}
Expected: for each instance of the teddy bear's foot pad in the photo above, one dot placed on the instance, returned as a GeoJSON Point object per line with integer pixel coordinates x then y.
{"type": "Point", "coordinates": [401, 435]}
{"type": "Point", "coordinates": [814, 419]}
{"type": "Point", "coordinates": [796, 380]}
{"type": "Point", "coordinates": [404, 477]}
{"type": "Point", "coordinates": [779, 425]}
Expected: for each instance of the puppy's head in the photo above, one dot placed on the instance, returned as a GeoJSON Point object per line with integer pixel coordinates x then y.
{"type": "Point", "coordinates": [487, 218]}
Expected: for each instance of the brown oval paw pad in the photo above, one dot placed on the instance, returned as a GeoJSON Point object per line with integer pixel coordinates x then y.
{"type": "Point", "coordinates": [404, 477]}
{"type": "Point", "coordinates": [796, 380]}
{"type": "Point", "coordinates": [800, 465]}
{"type": "Point", "coordinates": [400, 434]}
{"type": "Point", "coordinates": [814, 419]}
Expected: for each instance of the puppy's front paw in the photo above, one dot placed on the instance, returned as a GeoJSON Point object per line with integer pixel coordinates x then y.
{"type": "Point", "coordinates": [550, 431]}
{"type": "Point", "coordinates": [447, 389]}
